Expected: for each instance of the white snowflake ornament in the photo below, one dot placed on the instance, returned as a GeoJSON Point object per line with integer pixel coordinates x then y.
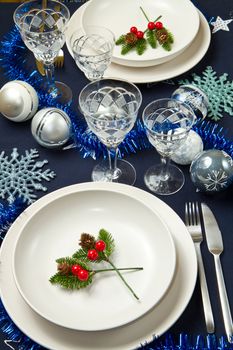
{"type": "Point", "coordinates": [21, 175]}
{"type": "Point", "coordinates": [212, 171]}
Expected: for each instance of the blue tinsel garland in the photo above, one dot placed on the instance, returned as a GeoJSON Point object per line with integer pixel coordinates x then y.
{"type": "Point", "coordinates": [8, 214]}
{"type": "Point", "coordinates": [13, 60]}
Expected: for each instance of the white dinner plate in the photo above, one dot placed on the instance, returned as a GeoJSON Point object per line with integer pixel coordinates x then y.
{"type": "Point", "coordinates": [179, 65]}
{"type": "Point", "coordinates": [179, 16]}
{"type": "Point", "coordinates": [154, 323]}
{"type": "Point", "coordinates": [141, 239]}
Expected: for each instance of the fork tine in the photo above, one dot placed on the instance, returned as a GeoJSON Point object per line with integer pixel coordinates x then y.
{"type": "Point", "coordinates": [197, 215]}
{"type": "Point", "coordinates": [186, 214]}
{"type": "Point", "coordinates": [191, 222]}
{"type": "Point", "coordinates": [193, 210]}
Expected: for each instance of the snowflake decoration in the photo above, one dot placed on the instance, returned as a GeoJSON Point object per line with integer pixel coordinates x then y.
{"type": "Point", "coordinates": [216, 180]}
{"type": "Point", "coordinates": [21, 175]}
{"type": "Point", "coordinates": [219, 91]}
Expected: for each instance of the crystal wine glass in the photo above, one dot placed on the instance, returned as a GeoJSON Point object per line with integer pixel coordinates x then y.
{"type": "Point", "coordinates": [167, 123]}
{"type": "Point", "coordinates": [92, 49]}
{"type": "Point", "coordinates": [42, 25]}
{"type": "Point", "coordinates": [110, 108]}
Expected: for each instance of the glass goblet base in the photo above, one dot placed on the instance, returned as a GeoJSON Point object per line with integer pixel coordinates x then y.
{"type": "Point", "coordinates": [125, 173]}
{"type": "Point", "coordinates": [62, 93]}
{"type": "Point", "coordinates": [164, 184]}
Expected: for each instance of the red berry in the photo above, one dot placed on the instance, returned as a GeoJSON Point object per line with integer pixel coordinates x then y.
{"type": "Point", "coordinates": [75, 269]}
{"type": "Point", "coordinates": [92, 254]}
{"type": "Point", "coordinates": [83, 275]}
{"type": "Point", "coordinates": [158, 25]}
{"type": "Point", "coordinates": [140, 34]}
{"type": "Point", "coordinates": [100, 245]}
{"type": "Point", "coordinates": [133, 30]}
{"type": "Point", "coordinates": [151, 25]}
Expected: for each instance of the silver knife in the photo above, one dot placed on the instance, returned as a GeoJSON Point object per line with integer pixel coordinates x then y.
{"type": "Point", "coordinates": [215, 246]}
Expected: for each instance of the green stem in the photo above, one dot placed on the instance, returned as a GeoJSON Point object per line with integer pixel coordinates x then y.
{"type": "Point", "coordinates": [122, 269]}
{"type": "Point", "coordinates": [144, 13]}
{"type": "Point", "coordinates": [122, 278]}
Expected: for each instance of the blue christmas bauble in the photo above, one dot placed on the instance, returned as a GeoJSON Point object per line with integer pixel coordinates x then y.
{"type": "Point", "coordinates": [194, 97]}
{"type": "Point", "coordinates": [212, 171]}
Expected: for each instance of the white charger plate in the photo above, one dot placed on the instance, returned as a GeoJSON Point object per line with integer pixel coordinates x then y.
{"type": "Point", "coordinates": [179, 65]}
{"type": "Point", "coordinates": [141, 239]}
{"type": "Point", "coordinates": [154, 323]}
{"type": "Point", "coordinates": [179, 16]}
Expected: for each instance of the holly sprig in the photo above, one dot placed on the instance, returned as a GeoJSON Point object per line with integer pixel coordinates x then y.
{"type": "Point", "coordinates": [75, 272]}
{"type": "Point", "coordinates": [155, 34]}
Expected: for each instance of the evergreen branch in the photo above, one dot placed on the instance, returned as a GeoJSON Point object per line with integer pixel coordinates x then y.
{"type": "Point", "coordinates": [81, 255]}
{"type": "Point", "coordinates": [170, 37]}
{"type": "Point", "coordinates": [141, 46]}
{"type": "Point", "coordinates": [109, 241]}
{"type": "Point", "coordinates": [166, 46]}
{"type": "Point", "coordinates": [120, 40]}
{"type": "Point", "coordinates": [70, 281]}
{"type": "Point", "coordinates": [151, 38]}
{"type": "Point", "coordinates": [73, 261]}
{"type": "Point", "coordinates": [126, 48]}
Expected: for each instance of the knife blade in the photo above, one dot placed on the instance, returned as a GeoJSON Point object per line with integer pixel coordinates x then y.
{"type": "Point", "coordinates": [215, 246]}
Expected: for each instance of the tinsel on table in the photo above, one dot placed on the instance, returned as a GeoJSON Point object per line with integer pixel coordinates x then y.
{"type": "Point", "coordinates": [14, 62]}
{"type": "Point", "coordinates": [8, 214]}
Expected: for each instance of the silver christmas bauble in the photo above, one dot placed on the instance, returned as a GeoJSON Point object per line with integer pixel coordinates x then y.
{"type": "Point", "coordinates": [194, 97]}
{"type": "Point", "coordinates": [18, 101]}
{"type": "Point", "coordinates": [192, 146]}
{"type": "Point", "coordinates": [51, 127]}
{"type": "Point", "coordinates": [212, 171]}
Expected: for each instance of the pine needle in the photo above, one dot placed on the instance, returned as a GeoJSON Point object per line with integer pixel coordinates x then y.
{"type": "Point", "coordinates": [141, 46]}
{"type": "Point", "coordinates": [126, 48]}
{"type": "Point", "coordinates": [69, 282]}
{"type": "Point", "coordinates": [151, 38]}
{"type": "Point", "coordinates": [120, 40]}
{"type": "Point", "coordinates": [166, 46]}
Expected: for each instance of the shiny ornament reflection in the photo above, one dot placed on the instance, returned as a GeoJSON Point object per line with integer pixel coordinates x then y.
{"type": "Point", "coordinates": [192, 146]}
{"type": "Point", "coordinates": [212, 171]}
{"type": "Point", "coordinates": [51, 127]}
{"type": "Point", "coordinates": [18, 101]}
{"type": "Point", "coordinates": [194, 97]}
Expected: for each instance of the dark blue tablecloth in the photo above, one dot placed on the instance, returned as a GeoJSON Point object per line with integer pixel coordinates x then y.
{"type": "Point", "coordinates": [71, 168]}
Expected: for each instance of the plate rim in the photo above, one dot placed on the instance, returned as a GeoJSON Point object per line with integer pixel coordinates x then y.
{"type": "Point", "coordinates": [119, 59]}
{"type": "Point", "coordinates": [53, 198]}
{"type": "Point", "coordinates": [48, 335]}
{"type": "Point", "coordinates": [120, 72]}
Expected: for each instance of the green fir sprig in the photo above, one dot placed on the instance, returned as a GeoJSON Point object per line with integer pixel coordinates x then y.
{"type": "Point", "coordinates": [152, 35]}
{"type": "Point", "coordinates": [75, 272]}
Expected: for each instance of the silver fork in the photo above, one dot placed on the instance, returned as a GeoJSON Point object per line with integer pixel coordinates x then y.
{"type": "Point", "coordinates": [193, 224]}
